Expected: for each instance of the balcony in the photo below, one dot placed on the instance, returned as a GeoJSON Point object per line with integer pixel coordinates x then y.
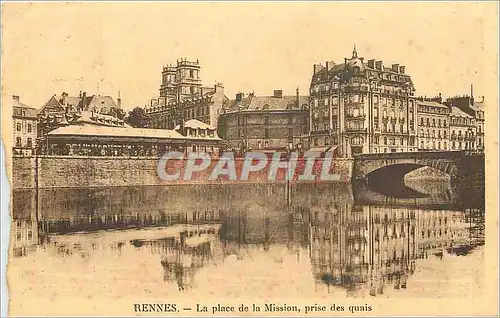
{"type": "Point", "coordinates": [358, 116]}
{"type": "Point", "coordinates": [356, 129]}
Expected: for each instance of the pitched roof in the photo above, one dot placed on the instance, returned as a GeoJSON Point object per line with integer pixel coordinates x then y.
{"type": "Point", "coordinates": [431, 104]}
{"type": "Point", "coordinates": [102, 104]}
{"type": "Point", "coordinates": [457, 112]}
{"type": "Point", "coordinates": [265, 103]}
{"type": "Point", "coordinates": [125, 132]}
{"type": "Point", "coordinates": [83, 117]}
{"type": "Point", "coordinates": [195, 124]}
{"type": "Point", "coordinates": [19, 107]}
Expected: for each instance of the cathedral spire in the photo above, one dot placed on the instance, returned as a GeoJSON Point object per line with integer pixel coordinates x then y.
{"type": "Point", "coordinates": [354, 52]}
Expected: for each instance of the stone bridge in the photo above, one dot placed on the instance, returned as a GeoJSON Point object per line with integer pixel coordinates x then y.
{"type": "Point", "coordinates": [459, 165]}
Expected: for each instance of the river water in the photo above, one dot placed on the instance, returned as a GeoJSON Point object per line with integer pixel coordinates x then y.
{"type": "Point", "coordinates": [301, 240]}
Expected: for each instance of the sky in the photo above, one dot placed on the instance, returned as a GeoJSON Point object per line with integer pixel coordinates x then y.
{"type": "Point", "coordinates": [49, 48]}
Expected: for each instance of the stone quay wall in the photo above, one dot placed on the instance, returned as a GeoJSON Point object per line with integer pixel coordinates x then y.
{"type": "Point", "coordinates": [47, 172]}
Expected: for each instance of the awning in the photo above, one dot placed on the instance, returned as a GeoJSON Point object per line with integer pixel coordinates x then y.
{"type": "Point", "coordinates": [324, 149]}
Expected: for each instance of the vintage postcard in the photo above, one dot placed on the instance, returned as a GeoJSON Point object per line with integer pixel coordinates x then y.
{"type": "Point", "coordinates": [250, 158]}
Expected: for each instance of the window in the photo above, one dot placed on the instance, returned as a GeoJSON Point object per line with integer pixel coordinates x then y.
{"type": "Point", "coordinates": [18, 142]}
{"type": "Point", "coordinates": [421, 121]}
{"type": "Point", "coordinates": [191, 73]}
{"type": "Point", "coordinates": [266, 120]}
{"type": "Point", "coordinates": [29, 143]}
{"type": "Point", "coordinates": [19, 127]}
{"type": "Point", "coordinates": [385, 140]}
{"type": "Point", "coordinates": [428, 122]}
{"type": "Point", "coordinates": [266, 133]}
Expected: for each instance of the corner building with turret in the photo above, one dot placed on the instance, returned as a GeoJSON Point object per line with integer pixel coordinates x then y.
{"type": "Point", "coordinates": [362, 106]}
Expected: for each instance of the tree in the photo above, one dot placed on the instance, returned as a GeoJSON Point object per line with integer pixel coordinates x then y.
{"type": "Point", "coordinates": [117, 112]}
{"type": "Point", "coordinates": [138, 118]}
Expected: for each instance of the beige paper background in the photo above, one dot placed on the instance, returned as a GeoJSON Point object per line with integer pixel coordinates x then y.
{"type": "Point", "coordinates": [251, 65]}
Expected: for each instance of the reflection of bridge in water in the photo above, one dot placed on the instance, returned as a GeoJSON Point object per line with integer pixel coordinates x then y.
{"type": "Point", "coordinates": [356, 239]}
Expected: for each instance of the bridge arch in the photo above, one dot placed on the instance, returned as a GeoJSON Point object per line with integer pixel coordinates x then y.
{"type": "Point", "coordinates": [394, 166]}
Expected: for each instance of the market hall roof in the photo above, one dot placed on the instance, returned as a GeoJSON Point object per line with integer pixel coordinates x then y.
{"type": "Point", "coordinates": [123, 132]}
{"type": "Point", "coordinates": [196, 124]}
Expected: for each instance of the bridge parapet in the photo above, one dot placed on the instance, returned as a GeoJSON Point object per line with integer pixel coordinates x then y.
{"type": "Point", "coordinates": [459, 165]}
{"type": "Point", "coordinates": [411, 155]}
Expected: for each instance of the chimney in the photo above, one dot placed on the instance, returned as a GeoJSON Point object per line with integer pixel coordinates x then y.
{"type": "Point", "coordinates": [317, 68]}
{"type": "Point", "coordinates": [395, 68]}
{"type": "Point", "coordinates": [297, 98]}
{"type": "Point", "coordinates": [371, 63]}
{"type": "Point", "coordinates": [378, 65]}
{"type": "Point", "coordinates": [402, 69]}
{"type": "Point", "coordinates": [63, 98]}
{"type": "Point", "coordinates": [15, 98]}
{"type": "Point", "coordinates": [219, 87]}
{"type": "Point", "coordinates": [119, 101]}
{"type": "Point", "coordinates": [278, 93]}
{"type": "Point", "coordinates": [84, 96]}
{"type": "Point", "coordinates": [471, 90]}
{"type": "Point", "coordinates": [239, 97]}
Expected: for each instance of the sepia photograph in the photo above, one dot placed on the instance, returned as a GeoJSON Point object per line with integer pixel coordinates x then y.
{"type": "Point", "coordinates": [250, 158]}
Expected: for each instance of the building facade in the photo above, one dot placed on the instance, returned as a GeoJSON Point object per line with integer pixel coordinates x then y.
{"type": "Point", "coordinates": [166, 113]}
{"type": "Point", "coordinates": [463, 130]}
{"type": "Point", "coordinates": [473, 123]}
{"type": "Point", "coordinates": [64, 110]}
{"type": "Point", "coordinates": [265, 122]}
{"type": "Point", "coordinates": [362, 107]}
{"type": "Point", "coordinates": [433, 124]}
{"type": "Point", "coordinates": [25, 128]}
{"type": "Point", "coordinates": [183, 97]}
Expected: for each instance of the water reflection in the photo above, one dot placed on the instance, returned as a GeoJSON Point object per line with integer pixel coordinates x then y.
{"type": "Point", "coordinates": [340, 236]}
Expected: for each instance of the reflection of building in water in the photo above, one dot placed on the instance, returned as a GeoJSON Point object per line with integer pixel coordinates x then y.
{"type": "Point", "coordinates": [439, 229]}
{"type": "Point", "coordinates": [183, 255]}
{"type": "Point", "coordinates": [25, 236]}
{"type": "Point", "coordinates": [361, 246]}
{"type": "Point", "coordinates": [366, 248]}
{"type": "Point", "coordinates": [261, 225]}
